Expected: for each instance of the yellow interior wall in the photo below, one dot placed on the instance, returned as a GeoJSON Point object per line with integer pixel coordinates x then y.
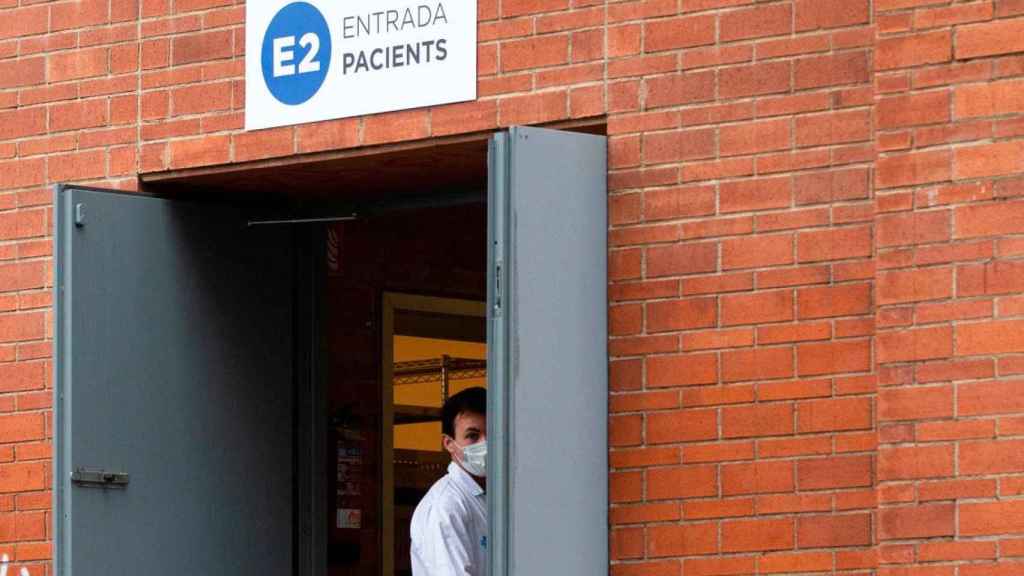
{"type": "Point", "coordinates": [427, 435]}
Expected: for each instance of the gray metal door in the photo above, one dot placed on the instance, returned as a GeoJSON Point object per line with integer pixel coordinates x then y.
{"type": "Point", "coordinates": [548, 365]}
{"type": "Point", "coordinates": [173, 367]}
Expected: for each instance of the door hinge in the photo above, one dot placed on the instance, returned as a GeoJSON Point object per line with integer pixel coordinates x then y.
{"type": "Point", "coordinates": [88, 478]}
{"type": "Point", "coordinates": [497, 289]}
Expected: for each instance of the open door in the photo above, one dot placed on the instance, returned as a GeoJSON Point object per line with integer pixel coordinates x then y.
{"type": "Point", "coordinates": [174, 389]}
{"type": "Point", "coordinates": [547, 353]}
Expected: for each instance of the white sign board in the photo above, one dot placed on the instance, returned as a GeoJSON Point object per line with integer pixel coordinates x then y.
{"type": "Point", "coordinates": [317, 60]}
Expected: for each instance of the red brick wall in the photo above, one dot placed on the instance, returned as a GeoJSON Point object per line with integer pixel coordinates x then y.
{"type": "Point", "coordinates": [743, 428]}
{"type": "Point", "coordinates": [817, 231]}
{"type": "Point", "coordinates": [948, 287]}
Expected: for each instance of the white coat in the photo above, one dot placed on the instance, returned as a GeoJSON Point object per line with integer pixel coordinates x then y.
{"type": "Point", "coordinates": [449, 528]}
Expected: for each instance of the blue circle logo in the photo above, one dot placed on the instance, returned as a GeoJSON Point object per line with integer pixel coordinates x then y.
{"type": "Point", "coordinates": [296, 53]}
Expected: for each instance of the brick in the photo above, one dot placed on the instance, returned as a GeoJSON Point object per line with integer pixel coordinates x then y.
{"type": "Point", "coordinates": [989, 99]}
{"type": "Point", "coordinates": [976, 458]}
{"type": "Point", "coordinates": [755, 79]}
{"type": "Point", "coordinates": [956, 489]}
{"type": "Point", "coordinates": [201, 98]}
{"type": "Point", "coordinates": [956, 310]}
{"type": "Point", "coordinates": [757, 535]}
{"type": "Point", "coordinates": [78, 166]}
{"type": "Point", "coordinates": [534, 52]}
{"type": "Point", "coordinates": [675, 33]}
{"type": "Point", "coordinates": [758, 22]}
{"type": "Point", "coordinates": [756, 194]}
{"type": "Point", "coordinates": [834, 414]}
{"type": "Point", "coordinates": [990, 38]}
{"type": "Point", "coordinates": [22, 72]}
{"type": "Point", "coordinates": [818, 14]}
{"type": "Point", "coordinates": [22, 427]}
{"type": "Point", "coordinates": [681, 426]}
{"type": "Point", "coordinates": [22, 122]}
{"type": "Point", "coordinates": [22, 477]}
{"type": "Point", "coordinates": [332, 135]}
{"type": "Point", "coordinates": [758, 420]}
{"type": "Point", "coordinates": [76, 64]}
{"type": "Point", "coordinates": [919, 344]}
{"type": "Point", "coordinates": [1000, 277]}
{"type": "Point", "coordinates": [396, 126]}
{"type": "Point", "coordinates": [263, 144]}
{"type": "Point", "coordinates": [676, 146]}
{"type": "Point", "coordinates": [833, 128]}
{"type": "Point", "coordinates": [939, 17]}
{"type": "Point", "coordinates": [913, 228]}
{"type": "Point", "coordinates": [959, 430]}
{"type": "Point", "coordinates": [999, 159]}
{"type": "Point", "coordinates": [829, 301]}
{"type": "Point", "coordinates": [757, 308]}
{"type": "Point", "coordinates": [687, 540]}
{"type": "Point", "coordinates": [757, 364]}
{"type": "Point", "coordinates": [757, 251]}
{"type": "Point", "coordinates": [834, 244]}
{"type": "Point", "coordinates": [202, 47]}
{"type": "Point", "coordinates": [25, 21]}
{"type": "Point", "coordinates": [990, 338]}
{"type": "Point", "coordinates": [512, 8]}
{"type": "Point", "coordinates": [830, 186]}
{"type": "Point", "coordinates": [917, 403]}
{"type": "Point", "coordinates": [682, 259]}
{"type": "Point", "coordinates": [904, 286]}
{"type": "Point", "coordinates": [727, 508]}
{"type": "Point", "coordinates": [791, 563]}
{"type": "Point", "coordinates": [837, 472]}
{"type": "Point", "coordinates": [831, 70]}
{"type": "Point", "coordinates": [719, 452]}
{"type": "Point", "coordinates": [755, 137]}
{"type": "Point", "coordinates": [915, 462]}
{"type": "Point", "coordinates": [757, 478]}
{"type": "Point", "coordinates": [625, 430]}
{"type": "Point", "coordinates": [914, 50]}
{"type": "Point", "coordinates": [988, 220]}
{"type": "Point", "coordinates": [80, 14]}
{"type": "Point", "coordinates": [913, 168]}
{"type": "Point", "coordinates": [200, 151]}
{"type": "Point", "coordinates": [678, 89]}
{"type": "Point", "coordinates": [984, 519]}
{"type": "Point", "coordinates": [718, 395]}
{"type": "Point", "coordinates": [681, 314]}
{"type": "Point", "coordinates": [913, 109]}
{"type": "Point", "coordinates": [916, 521]}
{"type": "Point", "coordinates": [681, 202]}
{"type": "Point", "coordinates": [833, 531]}
{"type": "Point", "coordinates": [682, 482]}
{"type": "Point", "coordinates": [984, 398]}
{"type": "Point", "coordinates": [833, 357]}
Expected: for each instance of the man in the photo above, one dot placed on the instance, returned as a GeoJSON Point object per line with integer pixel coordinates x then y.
{"type": "Point", "coordinates": [449, 527]}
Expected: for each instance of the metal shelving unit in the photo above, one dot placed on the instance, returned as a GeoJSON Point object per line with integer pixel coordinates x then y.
{"type": "Point", "coordinates": [442, 370]}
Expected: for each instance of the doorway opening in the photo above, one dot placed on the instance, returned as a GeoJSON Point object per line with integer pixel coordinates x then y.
{"type": "Point", "coordinates": [238, 354]}
{"type": "Point", "coordinates": [405, 328]}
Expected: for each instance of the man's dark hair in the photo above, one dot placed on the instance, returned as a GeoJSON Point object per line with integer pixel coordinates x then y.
{"type": "Point", "coordinates": [469, 400]}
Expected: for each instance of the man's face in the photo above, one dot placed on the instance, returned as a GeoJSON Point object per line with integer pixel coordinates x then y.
{"type": "Point", "coordinates": [470, 428]}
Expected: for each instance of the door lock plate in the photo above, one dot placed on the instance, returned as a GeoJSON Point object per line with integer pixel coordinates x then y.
{"type": "Point", "coordinates": [88, 478]}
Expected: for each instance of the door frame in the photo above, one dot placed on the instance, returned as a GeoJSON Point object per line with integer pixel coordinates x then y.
{"type": "Point", "coordinates": [390, 302]}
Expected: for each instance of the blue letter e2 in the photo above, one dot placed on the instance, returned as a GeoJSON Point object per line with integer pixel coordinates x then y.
{"type": "Point", "coordinates": [296, 53]}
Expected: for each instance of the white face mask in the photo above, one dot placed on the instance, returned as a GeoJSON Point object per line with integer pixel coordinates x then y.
{"type": "Point", "coordinates": [474, 458]}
